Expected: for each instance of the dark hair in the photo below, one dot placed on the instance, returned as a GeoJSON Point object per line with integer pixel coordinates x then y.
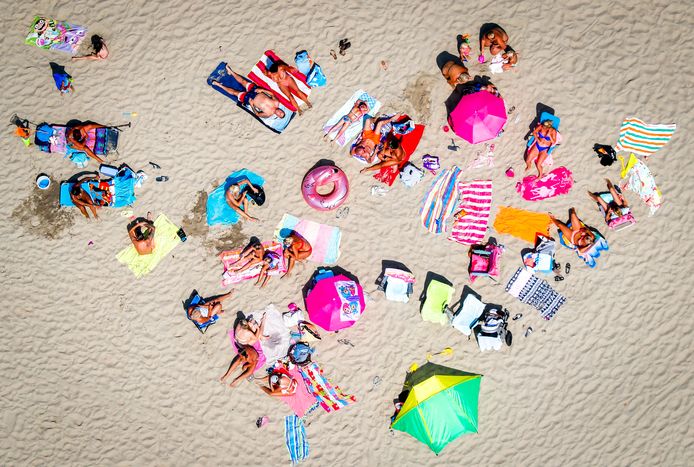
{"type": "Point", "coordinates": [275, 66]}
{"type": "Point", "coordinates": [97, 42]}
{"type": "Point", "coordinates": [77, 135]}
{"type": "Point", "coordinates": [393, 143]}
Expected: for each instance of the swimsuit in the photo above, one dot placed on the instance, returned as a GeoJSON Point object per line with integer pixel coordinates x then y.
{"type": "Point", "coordinates": [537, 143]}
{"type": "Point", "coordinates": [372, 136]}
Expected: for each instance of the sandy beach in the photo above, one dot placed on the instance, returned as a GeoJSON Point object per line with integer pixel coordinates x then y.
{"type": "Point", "coordinates": [101, 368]}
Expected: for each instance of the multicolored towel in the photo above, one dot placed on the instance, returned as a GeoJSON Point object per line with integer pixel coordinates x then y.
{"type": "Point", "coordinates": [258, 76]}
{"type": "Point", "coordinates": [324, 239]}
{"type": "Point", "coordinates": [218, 210]}
{"type": "Point", "coordinates": [522, 224]}
{"type": "Point", "coordinates": [640, 180]}
{"type": "Point", "coordinates": [47, 33]}
{"type": "Point", "coordinates": [230, 277]}
{"type": "Point", "coordinates": [409, 143]}
{"type": "Point", "coordinates": [536, 292]}
{"type": "Point", "coordinates": [295, 438]}
{"type": "Point", "coordinates": [476, 201]}
{"type": "Point", "coordinates": [355, 128]}
{"type": "Point", "coordinates": [165, 239]}
{"type": "Point", "coordinates": [440, 201]}
{"type": "Point", "coordinates": [330, 397]}
{"type": "Point", "coordinates": [643, 138]}
{"type": "Point", "coordinates": [557, 182]}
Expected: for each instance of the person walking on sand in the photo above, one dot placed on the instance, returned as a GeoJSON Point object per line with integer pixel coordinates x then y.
{"type": "Point", "coordinates": [279, 72]}
{"type": "Point", "coordinates": [261, 102]}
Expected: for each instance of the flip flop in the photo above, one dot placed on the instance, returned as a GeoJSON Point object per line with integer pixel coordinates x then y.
{"type": "Point", "coordinates": [558, 278]}
{"type": "Point", "coordinates": [557, 266]}
{"type": "Point", "coordinates": [154, 165]}
{"type": "Point", "coordinates": [333, 54]}
{"type": "Point", "coordinates": [528, 331]}
{"type": "Point", "coordinates": [567, 269]}
{"type": "Point", "coordinates": [162, 178]}
{"type": "Point", "coordinates": [518, 316]}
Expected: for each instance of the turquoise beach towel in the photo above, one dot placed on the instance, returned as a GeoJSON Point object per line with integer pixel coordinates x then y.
{"type": "Point", "coordinates": [123, 187]}
{"type": "Point", "coordinates": [324, 239]}
{"type": "Point", "coordinates": [218, 211]}
{"type": "Point", "coordinates": [295, 438]}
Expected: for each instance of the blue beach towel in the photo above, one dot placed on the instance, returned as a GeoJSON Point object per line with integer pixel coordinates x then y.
{"type": "Point", "coordinates": [218, 211]}
{"type": "Point", "coordinates": [194, 301]}
{"type": "Point", "coordinates": [593, 252]}
{"type": "Point", "coordinates": [123, 187]}
{"type": "Point", "coordinates": [295, 438]}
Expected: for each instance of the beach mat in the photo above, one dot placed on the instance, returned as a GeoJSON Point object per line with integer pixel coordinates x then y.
{"type": "Point", "coordinates": [355, 128]}
{"type": "Point", "coordinates": [122, 188]}
{"type": "Point", "coordinates": [555, 183]}
{"type": "Point", "coordinates": [522, 224]}
{"type": "Point", "coordinates": [295, 439]}
{"type": "Point", "coordinates": [330, 397]}
{"type": "Point", "coordinates": [258, 76]}
{"type": "Point", "coordinates": [528, 288]}
{"type": "Point", "coordinates": [643, 138]}
{"type": "Point", "coordinates": [302, 401]}
{"type": "Point", "coordinates": [440, 201]}
{"type": "Point", "coordinates": [409, 143]}
{"type": "Point", "coordinates": [218, 210]}
{"type": "Point", "coordinates": [232, 277]}
{"type": "Point", "coordinates": [165, 240]}
{"type": "Point", "coordinates": [324, 239]}
{"type": "Point", "coordinates": [50, 34]}
{"type": "Point", "coordinates": [220, 74]}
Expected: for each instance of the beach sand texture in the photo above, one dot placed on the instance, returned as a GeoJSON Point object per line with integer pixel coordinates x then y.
{"type": "Point", "coordinates": [99, 368]}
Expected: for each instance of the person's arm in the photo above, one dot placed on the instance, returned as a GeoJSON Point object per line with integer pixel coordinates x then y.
{"type": "Point", "coordinates": [501, 41]}
{"type": "Point", "coordinates": [553, 137]}
{"type": "Point", "coordinates": [249, 184]}
{"type": "Point", "coordinates": [380, 165]}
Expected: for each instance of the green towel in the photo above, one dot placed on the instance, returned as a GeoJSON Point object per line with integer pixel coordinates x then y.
{"type": "Point", "coordinates": [438, 295]}
{"type": "Point", "coordinates": [165, 239]}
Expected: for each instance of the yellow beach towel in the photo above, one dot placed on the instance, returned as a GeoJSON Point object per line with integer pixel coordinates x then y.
{"type": "Point", "coordinates": [522, 224]}
{"type": "Point", "coordinates": [165, 239]}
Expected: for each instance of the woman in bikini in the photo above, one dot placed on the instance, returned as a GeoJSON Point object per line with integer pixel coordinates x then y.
{"type": "Point", "coordinates": [359, 109]}
{"type": "Point", "coordinates": [77, 139]}
{"type": "Point", "coordinates": [279, 72]}
{"type": "Point", "coordinates": [617, 207]}
{"type": "Point", "coordinates": [545, 137]}
{"type": "Point", "coordinates": [296, 248]}
{"type": "Point", "coordinates": [578, 234]}
{"type": "Point", "coordinates": [391, 154]}
{"type": "Point", "coordinates": [100, 50]}
{"type": "Point", "coordinates": [206, 309]}
{"type": "Point", "coordinates": [238, 201]}
{"type": "Point", "coordinates": [370, 138]}
{"type": "Point", "coordinates": [280, 383]}
{"type": "Point", "coordinates": [271, 261]}
{"type": "Point", "coordinates": [253, 252]}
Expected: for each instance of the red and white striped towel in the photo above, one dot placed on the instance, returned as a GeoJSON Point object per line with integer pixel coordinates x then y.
{"type": "Point", "coordinates": [259, 77]}
{"type": "Point", "coordinates": [476, 200]}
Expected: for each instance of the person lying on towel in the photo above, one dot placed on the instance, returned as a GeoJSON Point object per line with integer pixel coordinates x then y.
{"type": "Point", "coordinates": [262, 102]}
{"type": "Point", "coordinates": [77, 139]}
{"type": "Point", "coordinates": [253, 252]}
{"type": "Point", "coordinates": [246, 359]}
{"type": "Point", "coordinates": [82, 199]}
{"type": "Point", "coordinates": [391, 154]}
{"type": "Point", "coordinates": [280, 73]}
{"type": "Point", "coordinates": [616, 208]}
{"type": "Point", "coordinates": [237, 199]}
{"type": "Point", "coordinates": [279, 383]}
{"type": "Point", "coordinates": [141, 233]}
{"type": "Point", "coordinates": [370, 138]}
{"type": "Point", "coordinates": [271, 261]}
{"type": "Point", "coordinates": [204, 310]}
{"type": "Point", "coordinates": [296, 248]}
{"type": "Point", "coordinates": [578, 234]}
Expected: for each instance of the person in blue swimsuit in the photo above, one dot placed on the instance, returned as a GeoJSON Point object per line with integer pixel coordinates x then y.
{"type": "Point", "coordinates": [545, 137]}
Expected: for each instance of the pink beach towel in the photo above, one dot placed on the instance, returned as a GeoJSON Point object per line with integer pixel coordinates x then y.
{"type": "Point", "coordinates": [476, 200]}
{"type": "Point", "coordinates": [557, 182]}
{"type": "Point", "coordinates": [232, 277]}
{"type": "Point", "coordinates": [302, 401]}
{"type": "Point", "coordinates": [258, 76]}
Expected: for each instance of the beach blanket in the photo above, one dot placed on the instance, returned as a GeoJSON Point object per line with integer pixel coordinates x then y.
{"type": "Point", "coordinates": [121, 187]}
{"type": "Point", "coordinates": [276, 342]}
{"type": "Point", "coordinates": [52, 138]}
{"type": "Point", "coordinates": [47, 33]}
{"type": "Point", "coordinates": [295, 439]}
{"type": "Point", "coordinates": [355, 128]}
{"type": "Point", "coordinates": [557, 182]}
{"type": "Point", "coordinates": [409, 143]}
{"type": "Point", "coordinates": [522, 224]}
{"type": "Point", "coordinates": [324, 239]}
{"type": "Point", "coordinates": [440, 201]}
{"type": "Point", "coordinates": [643, 138]}
{"type": "Point", "coordinates": [536, 292]}
{"type": "Point", "coordinates": [218, 210]}
{"type": "Point", "coordinates": [302, 401]}
{"type": "Point", "coordinates": [592, 253]}
{"type": "Point", "coordinates": [258, 76]}
{"type": "Point", "coordinates": [640, 180]}
{"type": "Point", "coordinates": [330, 397]}
{"type": "Point", "coordinates": [220, 74]}
{"type": "Point", "coordinates": [230, 277]}
{"type": "Point", "coordinates": [476, 201]}
{"type": "Point", "coordinates": [165, 239]}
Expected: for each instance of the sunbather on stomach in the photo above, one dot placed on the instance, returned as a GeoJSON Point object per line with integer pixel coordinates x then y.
{"type": "Point", "coordinates": [455, 73]}
{"type": "Point", "coordinates": [141, 233]}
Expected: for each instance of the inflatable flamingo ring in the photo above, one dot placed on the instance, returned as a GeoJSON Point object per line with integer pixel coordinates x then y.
{"type": "Point", "coordinates": [322, 176]}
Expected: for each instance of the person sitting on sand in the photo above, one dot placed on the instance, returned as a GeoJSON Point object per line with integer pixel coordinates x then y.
{"type": "Point", "coordinates": [100, 50]}
{"type": "Point", "coordinates": [359, 109]}
{"type": "Point", "coordinates": [504, 60]}
{"type": "Point", "coordinates": [617, 207]}
{"type": "Point", "coordinates": [455, 73]}
{"type": "Point", "coordinates": [370, 138]}
{"type": "Point", "coordinates": [464, 48]}
{"type": "Point", "coordinates": [246, 358]}
{"type": "Point", "coordinates": [204, 310]}
{"type": "Point", "coordinates": [249, 331]}
{"type": "Point", "coordinates": [271, 261]}
{"type": "Point", "coordinates": [253, 252]}
{"type": "Point", "coordinates": [492, 36]}
{"type": "Point", "coordinates": [280, 383]}
{"type": "Point", "coordinates": [578, 235]}
{"type": "Point", "coordinates": [296, 248]}
{"type": "Point", "coordinates": [77, 139]}
{"type": "Point", "coordinates": [141, 233]}
{"type": "Point", "coordinates": [280, 73]}
{"type": "Point", "coordinates": [545, 137]}
{"type": "Point", "coordinates": [238, 201]}
{"type": "Point", "coordinates": [262, 102]}
{"type": "Point", "coordinates": [391, 154]}
{"type": "Point", "coordinates": [82, 199]}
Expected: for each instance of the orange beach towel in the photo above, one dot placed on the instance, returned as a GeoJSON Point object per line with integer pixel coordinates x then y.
{"type": "Point", "coordinates": [522, 224]}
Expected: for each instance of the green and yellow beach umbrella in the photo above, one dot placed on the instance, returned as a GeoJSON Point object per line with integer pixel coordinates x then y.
{"type": "Point", "coordinates": [441, 405]}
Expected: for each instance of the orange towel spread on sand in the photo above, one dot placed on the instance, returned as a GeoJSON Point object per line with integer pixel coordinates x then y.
{"type": "Point", "coordinates": [522, 224]}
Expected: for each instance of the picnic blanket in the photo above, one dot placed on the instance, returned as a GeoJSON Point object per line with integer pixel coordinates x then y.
{"type": "Point", "coordinates": [643, 138]}
{"type": "Point", "coordinates": [557, 182]}
{"type": "Point", "coordinates": [258, 76]}
{"type": "Point", "coordinates": [440, 200]}
{"type": "Point", "coordinates": [121, 187]}
{"type": "Point", "coordinates": [522, 224]}
{"type": "Point", "coordinates": [640, 180]}
{"type": "Point", "coordinates": [232, 277]}
{"type": "Point", "coordinates": [218, 210]}
{"type": "Point", "coordinates": [355, 128]}
{"type": "Point", "coordinates": [295, 438]}
{"type": "Point", "coordinates": [528, 288]}
{"type": "Point", "coordinates": [476, 201]}
{"type": "Point", "coordinates": [220, 74]}
{"type": "Point", "coordinates": [165, 239]}
{"type": "Point", "coordinates": [409, 143]}
{"type": "Point", "coordinates": [50, 34]}
{"type": "Point", "coordinates": [330, 397]}
{"type": "Point", "coordinates": [324, 239]}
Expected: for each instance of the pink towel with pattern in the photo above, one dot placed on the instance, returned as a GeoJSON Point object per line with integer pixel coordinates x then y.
{"type": "Point", "coordinates": [557, 182]}
{"type": "Point", "coordinates": [476, 200]}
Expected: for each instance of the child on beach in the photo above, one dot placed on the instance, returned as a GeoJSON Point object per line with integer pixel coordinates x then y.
{"type": "Point", "coordinates": [359, 109]}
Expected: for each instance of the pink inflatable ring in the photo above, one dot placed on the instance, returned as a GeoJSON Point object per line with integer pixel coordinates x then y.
{"type": "Point", "coordinates": [321, 176]}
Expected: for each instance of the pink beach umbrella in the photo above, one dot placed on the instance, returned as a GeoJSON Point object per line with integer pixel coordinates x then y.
{"type": "Point", "coordinates": [478, 117]}
{"type": "Point", "coordinates": [335, 302]}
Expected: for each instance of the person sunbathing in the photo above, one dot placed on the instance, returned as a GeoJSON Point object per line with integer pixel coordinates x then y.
{"type": "Point", "coordinates": [100, 50]}
{"type": "Point", "coordinates": [578, 235]}
{"type": "Point", "coordinates": [503, 60]}
{"type": "Point", "coordinates": [615, 208]}
{"type": "Point", "coordinates": [247, 358]}
{"type": "Point", "coordinates": [83, 200]}
{"type": "Point", "coordinates": [141, 233]}
{"type": "Point", "coordinates": [261, 102]}
{"type": "Point", "coordinates": [370, 138]}
{"type": "Point", "coordinates": [238, 201]}
{"type": "Point", "coordinates": [359, 109]}
{"type": "Point", "coordinates": [280, 383]}
{"type": "Point", "coordinates": [296, 248]}
{"type": "Point", "coordinates": [391, 154]}
{"type": "Point", "coordinates": [77, 139]}
{"type": "Point", "coordinates": [204, 310]}
{"type": "Point", "coordinates": [545, 137]}
{"type": "Point", "coordinates": [271, 261]}
{"type": "Point", "coordinates": [494, 37]}
{"type": "Point", "coordinates": [455, 73]}
{"type": "Point", "coordinates": [253, 252]}
{"type": "Point", "coordinates": [249, 331]}
{"type": "Point", "coordinates": [280, 73]}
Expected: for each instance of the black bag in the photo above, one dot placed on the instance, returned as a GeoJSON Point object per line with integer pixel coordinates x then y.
{"type": "Point", "coordinates": [606, 153]}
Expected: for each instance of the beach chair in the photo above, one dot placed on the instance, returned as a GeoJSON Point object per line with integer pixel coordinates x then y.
{"type": "Point", "coordinates": [541, 258]}
{"type": "Point", "coordinates": [589, 256]}
{"type": "Point", "coordinates": [194, 300]}
{"type": "Point", "coordinates": [397, 284]}
{"type": "Point", "coordinates": [484, 260]}
{"type": "Point", "coordinates": [435, 300]}
{"type": "Point", "coordinates": [468, 311]}
{"type": "Point", "coordinates": [555, 124]}
{"type": "Point", "coordinates": [492, 328]}
{"type": "Point", "coordinates": [625, 220]}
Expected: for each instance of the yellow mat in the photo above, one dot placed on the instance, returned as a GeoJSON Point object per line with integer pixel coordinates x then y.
{"type": "Point", "coordinates": [165, 239]}
{"type": "Point", "coordinates": [522, 224]}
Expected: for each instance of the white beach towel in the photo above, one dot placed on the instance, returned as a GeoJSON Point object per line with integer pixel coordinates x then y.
{"type": "Point", "coordinates": [355, 128]}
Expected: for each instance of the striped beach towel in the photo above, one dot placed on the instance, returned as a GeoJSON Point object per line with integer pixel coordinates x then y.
{"type": "Point", "coordinates": [330, 397]}
{"type": "Point", "coordinates": [440, 200]}
{"type": "Point", "coordinates": [324, 239]}
{"type": "Point", "coordinates": [476, 200]}
{"type": "Point", "coordinates": [643, 138]}
{"type": "Point", "coordinates": [295, 438]}
{"type": "Point", "coordinates": [528, 288]}
{"type": "Point", "coordinates": [259, 76]}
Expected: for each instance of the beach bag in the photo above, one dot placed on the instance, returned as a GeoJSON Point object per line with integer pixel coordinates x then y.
{"type": "Point", "coordinates": [313, 72]}
{"type": "Point", "coordinates": [257, 198]}
{"type": "Point", "coordinates": [606, 153]}
{"type": "Point", "coordinates": [300, 353]}
{"type": "Point", "coordinates": [411, 174]}
{"type": "Point", "coordinates": [316, 78]}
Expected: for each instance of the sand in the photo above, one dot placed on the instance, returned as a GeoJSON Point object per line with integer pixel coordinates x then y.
{"type": "Point", "coordinates": [101, 369]}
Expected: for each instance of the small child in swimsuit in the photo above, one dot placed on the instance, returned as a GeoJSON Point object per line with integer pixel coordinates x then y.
{"type": "Point", "coordinates": [359, 109]}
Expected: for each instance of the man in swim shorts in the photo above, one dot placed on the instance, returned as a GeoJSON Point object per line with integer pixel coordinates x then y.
{"type": "Point", "coordinates": [455, 73]}
{"type": "Point", "coordinates": [261, 102]}
{"type": "Point", "coordinates": [370, 138]}
{"type": "Point", "coordinates": [493, 36]}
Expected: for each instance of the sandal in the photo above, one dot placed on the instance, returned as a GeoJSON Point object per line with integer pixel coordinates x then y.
{"type": "Point", "coordinates": [567, 269]}
{"type": "Point", "coordinates": [333, 54]}
{"type": "Point", "coordinates": [557, 266]}
{"type": "Point", "coordinates": [558, 278]}
{"type": "Point", "coordinates": [518, 316]}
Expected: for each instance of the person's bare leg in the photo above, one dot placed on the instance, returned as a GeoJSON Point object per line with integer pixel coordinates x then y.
{"type": "Point", "coordinates": [294, 89]}
{"type": "Point", "coordinates": [284, 89]}
{"type": "Point", "coordinates": [342, 128]}
{"type": "Point", "coordinates": [82, 210]}
{"type": "Point", "coordinates": [575, 221]}
{"type": "Point", "coordinates": [530, 157]}
{"type": "Point", "coordinates": [265, 280]}
{"type": "Point", "coordinates": [598, 200]}
{"type": "Point", "coordinates": [618, 198]}
{"type": "Point", "coordinates": [540, 160]}
{"type": "Point", "coordinates": [235, 362]}
{"type": "Point", "coordinates": [290, 265]}
{"type": "Point", "coordinates": [91, 56]}
{"type": "Point", "coordinates": [248, 265]}
{"type": "Point", "coordinates": [247, 371]}
{"type": "Point", "coordinates": [563, 228]}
